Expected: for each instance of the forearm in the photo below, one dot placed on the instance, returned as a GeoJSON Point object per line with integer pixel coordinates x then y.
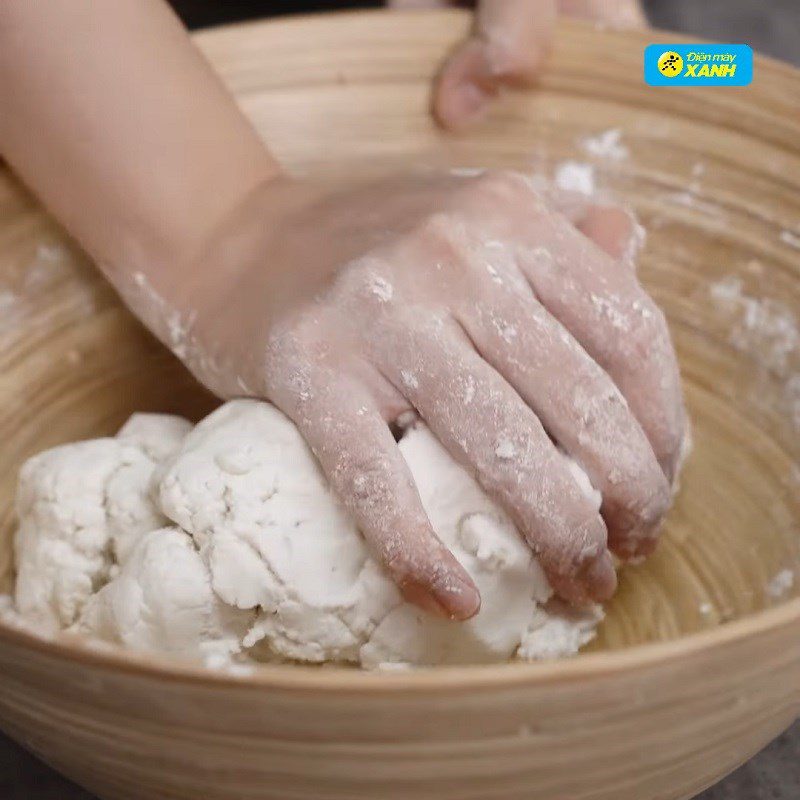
{"type": "Point", "coordinates": [117, 122]}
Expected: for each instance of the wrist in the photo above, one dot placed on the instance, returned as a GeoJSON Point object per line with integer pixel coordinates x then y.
{"type": "Point", "coordinates": [167, 276]}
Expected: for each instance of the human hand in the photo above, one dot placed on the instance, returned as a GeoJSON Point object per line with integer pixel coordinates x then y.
{"type": "Point", "coordinates": [506, 47]}
{"type": "Point", "coordinates": [474, 303]}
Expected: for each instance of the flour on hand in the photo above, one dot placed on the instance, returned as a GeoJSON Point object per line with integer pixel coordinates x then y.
{"type": "Point", "coordinates": [226, 543]}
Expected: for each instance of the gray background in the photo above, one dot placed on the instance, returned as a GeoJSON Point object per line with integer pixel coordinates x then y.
{"type": "Point", "coordinates": [771, 26]}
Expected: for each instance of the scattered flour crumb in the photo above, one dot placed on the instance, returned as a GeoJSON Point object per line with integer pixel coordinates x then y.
{"type": "Point", "coordinates": [505, 449]}
{"type": "Point", "coordinates": [382, 289]}
{"type": "Point", "coordinates": [706, 609]}
{"type": "Point", "coordinates": [607, 144]}
{"type": "Point", "coordinates": [575, 176]}
{"type": "Point", "coordinates": [768, 332]}
{"type": "Point", "coordinates": [727, 290]}
{"type": "Point", "coordinates": [393, 666]}
{"type": "Point", "coordinates": [47, 261]}
{"type": "Point", "coordinates": [781, 584]}
{"type": "Point", "coordinates": [494, 273]}
{"type": "Point", "coordinates": [689, 199]}
{"type": "Point", "coordinates": [609, 309]}
{"type": "Point", "coordinates": [763, 328]}
{"type": "Point", "coordinates": [50, 252]}
{"type": "Point", "coordinates": [792, 239]}
{"type": "Point", "coordinates": [507, 331]}
{"type": "Point", "coordinates": [219, 662]}
{"type": "Point", "coordinates": [469, 392]}
{"type": "Point", "coordinates": [409, 379]}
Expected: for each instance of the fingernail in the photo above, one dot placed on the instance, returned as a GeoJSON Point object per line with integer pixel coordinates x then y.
{"type": "Point", "coordinates": [599, 577]}
{"type": "Point", "coordinates": [453, 599]}
{"type": "Point", "coordinates": [462, 599]}
{"type": "Point", "coordinates": [465, 102]}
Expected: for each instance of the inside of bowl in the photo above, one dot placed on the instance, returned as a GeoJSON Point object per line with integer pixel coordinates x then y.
{"type": "Point", "coordinates": [720, 260]}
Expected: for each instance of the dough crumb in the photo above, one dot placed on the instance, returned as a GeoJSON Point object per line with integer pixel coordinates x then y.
{"type": "Point", "coordinates": [607, 144]}
{"type": "Point", "coordinates": [781, 584]}
{"type": "Point", "coordinates": [575, 176]}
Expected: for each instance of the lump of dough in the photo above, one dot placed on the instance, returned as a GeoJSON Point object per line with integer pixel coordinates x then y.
{"type": "Point", "coordinates": [277, 541]}
{"type": "Point", "coordinates": [161, 600]}
{"type": "Point", "coordinates": [81, 507]}
{"type": "Point", "coordinates": [275, 537]}
{"type": "Point", "coordinates": [266, 563]}
{"type": "Point", "coordinates": [482, 538]}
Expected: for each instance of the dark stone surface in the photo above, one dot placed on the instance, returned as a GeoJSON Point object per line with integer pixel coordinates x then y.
{"type": "Point", "coordinates": [771, 26]}
{"type": "Point", "coordinates": [774, 774]}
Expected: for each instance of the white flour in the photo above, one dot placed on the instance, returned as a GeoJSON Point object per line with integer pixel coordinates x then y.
{"type": "Point", "coordinates": [768, 332]}
{"type": "Point", "coordinates": [762, 328]}
{"type": "Point", "coordinates": [792, 239]}
{"type": "Point", "coordinates": [575, 176]}
{"type": "Point", "coordinates": [607, 144]}
{"type": "Point", "coordinates": [781, 584]}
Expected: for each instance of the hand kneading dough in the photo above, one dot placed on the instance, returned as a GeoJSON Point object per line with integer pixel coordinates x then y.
{"type": "Point", "coordinates": [266, 564]}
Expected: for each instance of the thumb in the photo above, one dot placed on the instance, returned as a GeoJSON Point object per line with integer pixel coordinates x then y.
{"type": "Point", "coordinates": [509, 41]}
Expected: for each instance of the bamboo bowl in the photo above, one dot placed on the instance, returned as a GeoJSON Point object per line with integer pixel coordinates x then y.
{"type": "Point", "coordinates": [698, 663]}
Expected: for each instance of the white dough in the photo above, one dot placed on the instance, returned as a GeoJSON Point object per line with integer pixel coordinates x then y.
{"type": "Point", "coordinates": [263, 562]}
{"type": "Point", "coordinates": [248, 489]}
{"type": "Point", "coordinates": [162, 600]}
{"type": "Point", "coordinates": [81, 508]}
{"type": "Point", "coordinates": [158, 435]}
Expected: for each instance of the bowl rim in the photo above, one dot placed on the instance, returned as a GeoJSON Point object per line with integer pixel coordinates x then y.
{"type": "Point", "coordinates": [80, 651]}
{"type": "Point", "coordinates": [301, 677]}
{"type": "Point", "coordinates": [654, 35]}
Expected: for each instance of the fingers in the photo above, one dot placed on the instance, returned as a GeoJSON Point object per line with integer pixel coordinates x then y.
{"type": "Point", "coordinates": [617, 323]}
{"type": "Point", "coordinates": [485, 425]}
{"type": "Point", "coordinates": [361, 460]}
{"type": "Point", "coordinates": [579, 406]}
{"type": "Point", "coordinates": [617, 13]}
{"type": "Point", "coordinates": [508, 43]}
{"type": "Point", "coordinates": [611, 227]}
{"type": "Point", "coordinates": [596, 299]}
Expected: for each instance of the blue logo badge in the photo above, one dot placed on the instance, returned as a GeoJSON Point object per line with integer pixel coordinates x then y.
{"type": "Point", "coordinates": [698, 65]}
